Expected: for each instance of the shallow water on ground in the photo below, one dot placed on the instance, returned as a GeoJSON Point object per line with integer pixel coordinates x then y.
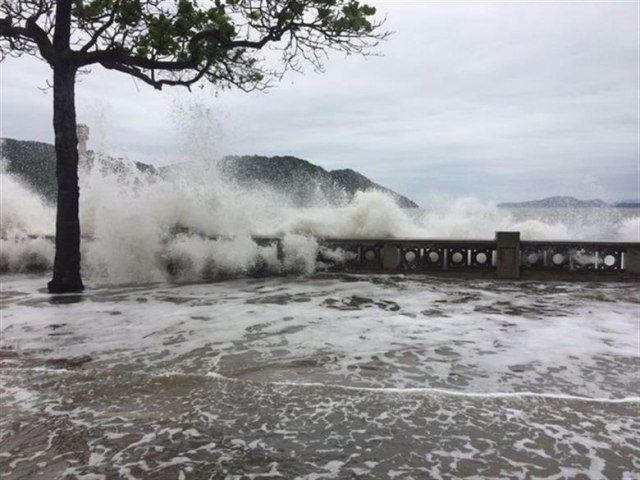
{"type": "Point", "coordinates": [330, 376]}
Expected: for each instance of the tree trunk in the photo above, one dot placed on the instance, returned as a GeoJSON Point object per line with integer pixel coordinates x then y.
{"type": "Point", "coordinates": [66, 267]}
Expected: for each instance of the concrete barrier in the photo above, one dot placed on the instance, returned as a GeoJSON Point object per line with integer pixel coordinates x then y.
{"type": "Point", "coordinates": [632, 260]}
{"type": "Point", "coordinates": [508, 255]}
{"type": "Point", "coordinates": [505, 257]}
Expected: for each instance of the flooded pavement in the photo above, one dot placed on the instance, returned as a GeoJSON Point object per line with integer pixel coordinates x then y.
{"type": "Point", "coordinates": [321, 377]}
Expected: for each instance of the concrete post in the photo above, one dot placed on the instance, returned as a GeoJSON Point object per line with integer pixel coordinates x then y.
{"type": "Point", "coordinates": [508, 255]}
{"type": "Point", "coordinates": [632, 260]}
{"type": "Point", "coordinates": [390, 256]}
{"type": "Point", "coordinates": [83, 136]}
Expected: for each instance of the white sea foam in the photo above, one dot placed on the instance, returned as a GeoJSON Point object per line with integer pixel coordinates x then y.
{"type": "Point", "coordinates": [131, 218]}
{"type": "Point", "coordinates": [23, 212]}
{"type": "Point", "coordinates": [399, 375]}
{"type": "Point", "coordinates": [453, 393]}
{"type": "Point", "coordinates": [629, 230]}
{"type": "Point", "coordinates": [406, 334]}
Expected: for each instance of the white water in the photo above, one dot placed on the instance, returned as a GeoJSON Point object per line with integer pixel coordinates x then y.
{"type": "Point", "coordinates": [129, 216]}
{"type": "Point", "coordinates": [320, 378]}
{"type": "Point", "coordinates": [403, 376]}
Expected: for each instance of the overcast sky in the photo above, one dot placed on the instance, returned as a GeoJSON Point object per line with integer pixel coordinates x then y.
{"type": "Point", "coordinates": [497, 100]}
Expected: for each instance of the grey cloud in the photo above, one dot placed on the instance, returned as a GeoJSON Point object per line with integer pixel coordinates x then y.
{"type": "Point", "coordinates": [469, 98]}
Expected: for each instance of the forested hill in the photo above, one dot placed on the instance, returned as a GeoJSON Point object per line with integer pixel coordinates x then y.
{"type": "Point", "coordinates": [34, 164]}
{"type": "Point", "coordinates": [302, 179]}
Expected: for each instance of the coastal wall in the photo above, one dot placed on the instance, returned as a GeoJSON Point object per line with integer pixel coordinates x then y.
{"type": "Point", "coordinates": [505, 257]}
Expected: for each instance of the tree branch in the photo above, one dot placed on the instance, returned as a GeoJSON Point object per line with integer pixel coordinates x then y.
{"type": "Point", "coordinates": [8, 30]}
{"type": "Point", "coordinates": [111, 65]}
{"type": "Point", "coordinates": [165, 43]}
{"type": "Point", "coordinates": [30, 32]}
{"type": "Point", "coordinates": [41, 39]}
{"type": "Point", "coordinates": [115, 55]}
{"type": "Point", "coordinates": [150, 80]}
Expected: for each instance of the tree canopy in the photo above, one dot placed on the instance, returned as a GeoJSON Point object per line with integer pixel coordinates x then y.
{"type": "Point", "coordinates": [167, 43]}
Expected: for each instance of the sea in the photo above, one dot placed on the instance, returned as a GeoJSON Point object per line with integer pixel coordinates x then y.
{"type": "Point", "coordinates": [243, 364]}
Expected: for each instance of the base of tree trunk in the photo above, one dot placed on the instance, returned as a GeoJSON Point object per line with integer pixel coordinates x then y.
{"type": "Point", "coordinates": [71, 285]}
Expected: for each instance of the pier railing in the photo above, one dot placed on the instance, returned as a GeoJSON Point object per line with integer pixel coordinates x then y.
{"type": "Point", "coordinates": [504, 257]}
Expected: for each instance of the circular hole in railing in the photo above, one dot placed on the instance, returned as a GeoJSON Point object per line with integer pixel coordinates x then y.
{"type": "Point", "coordinates": [558, 258]}
{"type": "Point", "coordinates": [532, 258]}
{"type": "Point", "coordinates": [434, 257]}
{"type": "Point", "coordinates": [481, 258]}
{"type": "Point", "coordinates": [456, 257]}
{"type": "Point", "coordinates": [609, 260]}
{"type": "Point", "coordinates": [410, 257]}
{"type": "Point", "coordinates": [370, 255]}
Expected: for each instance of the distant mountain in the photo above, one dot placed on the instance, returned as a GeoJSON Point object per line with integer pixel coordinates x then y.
{"type": "Point", "coordinates": [631, 203]}
{"type": "Point", "coordinates": [305, 182]}
{"type": "Point", "coordinates": [556, 202]}
{"type": "Point", "coordinates": [34, 163]}
{"type": "Point", "coordinates": [308, 184]}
